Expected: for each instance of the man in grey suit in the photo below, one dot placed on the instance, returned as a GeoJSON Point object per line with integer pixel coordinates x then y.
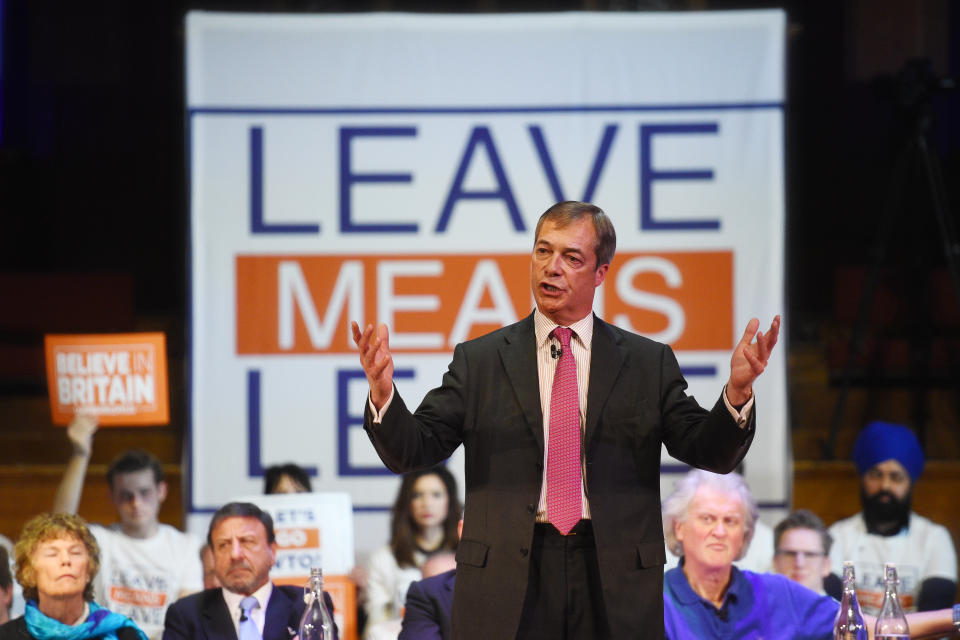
{"type": "Point", "coordinates": [523, 570]}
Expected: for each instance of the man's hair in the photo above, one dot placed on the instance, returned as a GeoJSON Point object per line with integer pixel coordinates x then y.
{"type": "Point", "coordinates": [677, 504]}
{"type": "Point", "coordinates": [53, 526]}
{"type": "Point", "coordinates": [132, 461]}
{"type": "Point", "coordinates": [6, 578]}
{"type": "Point", "coordinates": [802, 519]}
{"type": "Point", "coordinates": [241, 510]}
{"type": "Point", "coordinates": [273, 474]}
{"type": "Point", "coordinates": [569, 211]}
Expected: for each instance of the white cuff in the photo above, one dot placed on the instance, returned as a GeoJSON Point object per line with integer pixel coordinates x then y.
{"type": "Point", "coordinates": [378, 415]}
{"type": "Point", "coordinates": [741, 416]}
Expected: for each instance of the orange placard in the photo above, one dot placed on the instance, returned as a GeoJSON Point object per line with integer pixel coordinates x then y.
{"type": "Point", "coordinates": [120, 377]}
{"type": "Point", "coordinates": [343, 592]}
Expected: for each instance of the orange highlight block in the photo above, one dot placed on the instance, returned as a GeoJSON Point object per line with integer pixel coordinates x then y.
{"type": "Point", "coordinates": [298, 538]}
{"type": "Point", "coordinates": [650, 290]}
{"type": "Point", "coordinates": [304, 304]}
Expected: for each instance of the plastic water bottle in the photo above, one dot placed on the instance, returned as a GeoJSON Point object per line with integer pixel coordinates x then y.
{"type": "Point", "coordinates": [891, 621]}
{"type": "Point", "coordinates": [316, 623]}
{"type": "Point", "coordinates": [849, 624]}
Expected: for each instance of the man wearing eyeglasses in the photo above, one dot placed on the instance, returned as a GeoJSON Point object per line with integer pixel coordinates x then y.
{"type": "Point", "coordinates": [801, 549]}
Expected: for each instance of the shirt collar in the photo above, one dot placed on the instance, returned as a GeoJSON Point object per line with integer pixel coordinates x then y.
{"type": "Point", "coordinates": [542, 326]}
{"type": "Point", "coordinates": [233, 599]}
{"type": "Point", "coordinates": [683, 593]}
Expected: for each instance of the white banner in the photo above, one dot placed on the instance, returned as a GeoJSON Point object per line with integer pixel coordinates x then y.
{"type": "Point", "coordinates": [391, 168]}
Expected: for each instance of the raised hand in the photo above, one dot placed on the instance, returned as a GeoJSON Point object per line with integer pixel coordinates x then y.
{"type": "Point", "coordinates": [376, 360]}
{"type": "Point", "coordinates": [80, 433]}
{"type": "Point", "coordinates": [749, 359]}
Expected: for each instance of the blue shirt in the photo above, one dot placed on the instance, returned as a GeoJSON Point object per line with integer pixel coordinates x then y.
{"type": "Point", "coordinates": [757, 606]}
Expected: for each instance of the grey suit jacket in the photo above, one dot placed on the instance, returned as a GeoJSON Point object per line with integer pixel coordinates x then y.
{"type": "Point", "coordinates": [489, 401]}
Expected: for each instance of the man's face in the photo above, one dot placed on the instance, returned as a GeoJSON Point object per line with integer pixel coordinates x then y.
{"type": "Point", "coordinates": [889, 476]}
{"type": "Point", "coordinates": [885, 492]}
{"type": "Point", "coordinates": [242, 555]}
{"type": "Point", "coordinates": [801, 558]}
{"type": "Point", "coordinates": [137, 498]}
{"type": "Point", "coordinates": [563, 270]}
{"type": "Point", "coordinates": [712, 532]}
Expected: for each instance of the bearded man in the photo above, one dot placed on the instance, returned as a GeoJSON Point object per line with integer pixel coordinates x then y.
{"type": "Point", "coordinates": [889, 459]}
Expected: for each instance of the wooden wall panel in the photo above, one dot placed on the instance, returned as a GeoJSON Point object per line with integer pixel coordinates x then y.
{"type": "Point", "coordinates": [26, 491]}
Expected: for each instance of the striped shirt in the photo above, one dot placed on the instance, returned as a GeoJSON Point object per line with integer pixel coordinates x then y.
{"type": "Point", "coordinates": [580, 344]}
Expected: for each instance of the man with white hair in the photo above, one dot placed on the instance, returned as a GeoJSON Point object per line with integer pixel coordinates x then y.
{"type": "Point", "coordinates": [709, 521]}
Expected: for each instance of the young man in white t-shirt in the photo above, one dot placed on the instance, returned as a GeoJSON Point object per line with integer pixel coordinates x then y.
{"type": "Point", "coordinates": [890, 459]}
{"type": "Point", "coordinates": [145, 566]}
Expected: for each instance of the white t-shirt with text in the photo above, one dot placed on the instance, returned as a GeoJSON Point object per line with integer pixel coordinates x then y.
{"type": "Point", "coordinates": [141, 578]}
{"type": "Point", "coordinates": [921, 551]}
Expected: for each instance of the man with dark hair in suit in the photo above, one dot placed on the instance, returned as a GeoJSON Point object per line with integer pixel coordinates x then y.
{"type": "Point", "coordinates": [562, 418]}
{"type": "Point", "coordinates": [248, 605]}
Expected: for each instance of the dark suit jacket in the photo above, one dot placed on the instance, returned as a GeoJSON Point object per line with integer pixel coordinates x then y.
{"type": "Point", "coordinates": [204, 616]}
{"type": "Point", "coordinates": [490, 402]}
{"type": "Point", "coordinates": [426, 614]}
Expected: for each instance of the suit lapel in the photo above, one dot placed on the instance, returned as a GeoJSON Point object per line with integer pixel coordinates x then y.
{"type": "Point", "coordinates": [518, 353]}
{"type": "Point", "coordinates": [278, 615]}
{"type": "Point", "coordinates": [606, 360]}
{"type": "Point", "coordinates": [217, 624]}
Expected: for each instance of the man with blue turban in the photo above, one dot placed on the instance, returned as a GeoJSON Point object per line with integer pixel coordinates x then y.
{"type": "Point", "coordinates": [889, 459]}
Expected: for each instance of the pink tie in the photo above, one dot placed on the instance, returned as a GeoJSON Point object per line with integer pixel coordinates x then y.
{"type": "Point", "coordinates": [563, 448]}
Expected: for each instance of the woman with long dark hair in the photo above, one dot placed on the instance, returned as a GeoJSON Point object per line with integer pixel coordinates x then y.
{"type": "Point", "coordinates": [424, 521]}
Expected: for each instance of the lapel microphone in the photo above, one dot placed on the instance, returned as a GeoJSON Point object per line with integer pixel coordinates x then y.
{"type": "Point", "coordinates": [243, 616]}
{"type": "Point", "coordinates": [554, 352]}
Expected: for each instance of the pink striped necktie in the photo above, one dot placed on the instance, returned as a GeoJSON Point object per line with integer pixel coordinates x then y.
{"type": "Point", "coordinates": [563, 448]}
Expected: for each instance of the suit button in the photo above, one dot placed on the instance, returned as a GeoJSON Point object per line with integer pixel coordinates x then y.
{"type": "Point", "coordinates": [531, 508]}
{"type": "Point", "coordinates": [539, 466]}
{"type": "Point", "coordinates": [524, 551]}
